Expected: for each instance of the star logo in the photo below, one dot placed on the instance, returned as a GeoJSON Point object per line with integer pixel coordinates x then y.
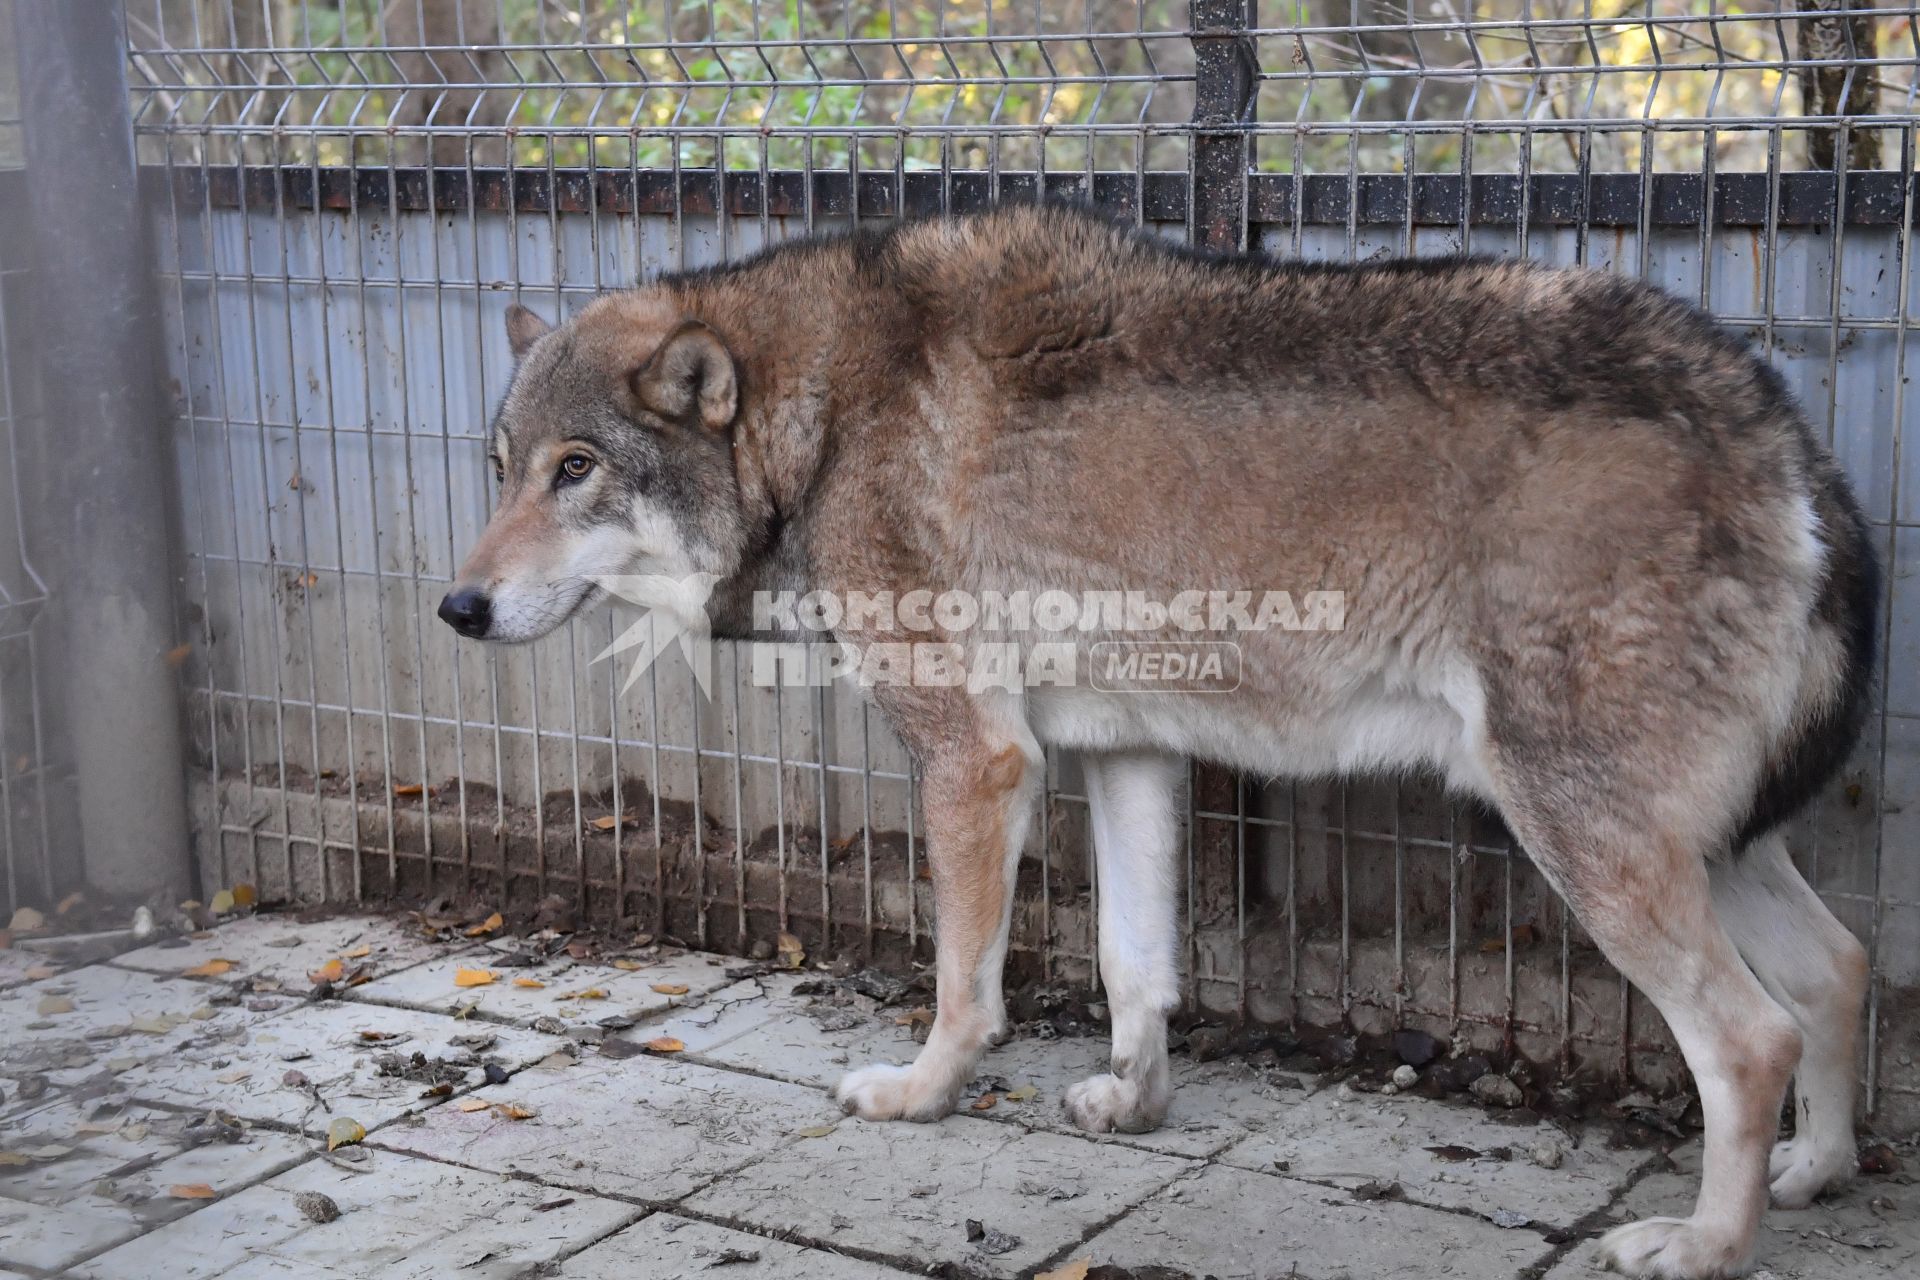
{"type": "Point", "coordinates": [676, 611]}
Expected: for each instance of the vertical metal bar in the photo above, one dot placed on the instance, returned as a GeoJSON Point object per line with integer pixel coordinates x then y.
{"type": "Point", "coordinates": [96, 315]}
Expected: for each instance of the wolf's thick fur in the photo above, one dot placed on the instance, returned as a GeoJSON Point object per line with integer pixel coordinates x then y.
{"type": "Point", "coordinates": [1596, 570]}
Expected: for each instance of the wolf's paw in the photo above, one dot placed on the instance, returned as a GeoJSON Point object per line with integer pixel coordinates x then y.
{"type": "Point", "coordinates": [1673, 1249]}
{"type": "Point", "coordinates": [883, 1092]}
{"type": "Point", "coordinates": [1108, 1104]}
{"type": "Point", "coordinates": [1799, 1170]}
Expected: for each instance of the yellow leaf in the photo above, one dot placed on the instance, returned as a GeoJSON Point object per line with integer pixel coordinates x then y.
{"type": "Point", "coordinates": [665, 1044]}
{"type": "Point", "coordinates": [474, 1104]}
{"type": "Point", "coordinates": [344, 1133]}
{"type": "Point", "coordinates": [987, 1102]}
{"type": "Point", "coordinates": [628, 965]}
{"type": "Point", "coordinates": [409, 789]}
{"type": "Point", "coordinates": [332, 971]}
{"type": "Point", "coordinates": [178, 654]}
{"type": "Point", "coordinates": [211, 969]}
{"type": "Point", "coordinates": [792, 952]}
{"type": "Point", "coordinates": [222, 903]}
{"type": "Point", "coordinates": [670, 988]}
{"type": "Point", "coordinates": [362, 950]}
{"type": "Point", "coordinates": [473, 977]}
{"type": "Point", "coordinates": [818, 1131]}
{"type": "Point", "coordinates": [604, 824]}
{"type": "Point", "coordinates": [245, 895]}
{"type": "Point", "coordinates": [922, 1015]}
{"type": "Point", "coordinates": [1075, 1270]}
{"type": "Point", "coordinates": [531, 984]}
{"type": "Point", "coordinates": [513, 1111]}
{"type": "Point", "coordinates": [591, 993]}
{"type": "Point", "coordinates": [1025, 1093]}
{"type": "Point", "coordinates": [192, 1191]}
{"type": "Point", "coordinates": [69, 902]}
{"type": "Point", "coordinates": [490, 925]}
{"type": "Point", "coordinates": [41, 971]}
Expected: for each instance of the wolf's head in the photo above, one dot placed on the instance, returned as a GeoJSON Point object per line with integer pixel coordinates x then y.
{"type": "Point", "coordinates": [613, 452]}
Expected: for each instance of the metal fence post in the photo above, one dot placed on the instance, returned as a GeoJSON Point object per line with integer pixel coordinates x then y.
{"type": "Point", "coordinates": [102, 464]}
{"type": "Point", "coordinates": [1226, 72]}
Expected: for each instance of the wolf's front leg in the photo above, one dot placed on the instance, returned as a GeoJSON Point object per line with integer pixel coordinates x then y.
{"type": "Point", "coordinates": [1130, 798]}
{"type": "Point", "coordinates": [977, 796]}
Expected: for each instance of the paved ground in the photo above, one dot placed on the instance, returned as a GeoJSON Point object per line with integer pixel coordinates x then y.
{"type": "Point", "coordinates": [165, 1115]}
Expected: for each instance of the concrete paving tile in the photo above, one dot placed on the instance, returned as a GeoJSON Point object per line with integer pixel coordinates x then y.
{"type": "Point", "coordinates": [287, 950]}
{"type": "Point", "coordinates": [109, 1154]}
{"type": "Point", "coordinates": [337, 1047]}
{"type": "Point", "coordinates": [650, 1128]}
{"type": "Point", "coordinates": [907, 1191]}
{"type": "Point", "coordinates": [666, 1247]}
{"type": "Point", "coordinates": [1868, 1230]}
{"type": "Point", "coordinates": [1484, 1166]}
{"type": "Point", "coordinates": [728, 1013]}
{"type": "Point", "coordinates": [118, 1019]}
{"type": "Point", "coordinates": [1235, 1225]}
{"type": "Point", "coordinates": [1214, 1104]}
{"type": "Point", "coordinates": [628, 993]}
{"type": "Point", "coordinates": [54, 1237]}
{"type": "Point", "coordinates": [403, 1219]}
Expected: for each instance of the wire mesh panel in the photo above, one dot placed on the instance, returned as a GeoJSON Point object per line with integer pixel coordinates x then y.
{"type": "Point", "coordinates": [348, 195]}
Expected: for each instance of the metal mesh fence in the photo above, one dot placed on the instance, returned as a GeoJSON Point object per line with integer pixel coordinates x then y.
{"type": "Point", "coordinates": [347, 195]}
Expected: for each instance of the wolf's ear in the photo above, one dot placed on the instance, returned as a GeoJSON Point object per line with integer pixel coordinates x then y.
{"type": "Point", "coordinates": [524, 329]}
{"type": "Point", "coordinates": [690, 378]}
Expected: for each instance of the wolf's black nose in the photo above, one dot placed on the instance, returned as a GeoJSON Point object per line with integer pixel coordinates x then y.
{"type": "Point", "coordinates": [468, 612]}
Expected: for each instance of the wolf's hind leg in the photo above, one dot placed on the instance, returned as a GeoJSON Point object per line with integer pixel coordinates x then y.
{"type": "Point", "coordinates": [1817, 970]}
{"type": "Point", "coordinates": [1130, 799]}
{"type": "Point", "coordinates": [1632, 868]}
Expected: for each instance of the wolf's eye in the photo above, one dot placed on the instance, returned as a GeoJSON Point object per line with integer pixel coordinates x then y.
{"type": "Point", "coordinates": [499, 470]}
{"type": "Point", "coordinates": [575, 466]}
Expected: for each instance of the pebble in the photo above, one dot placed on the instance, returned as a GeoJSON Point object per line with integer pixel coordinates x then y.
{"type": "Point", "coordinates": [1496, 1091]}
{"type": "Point", "coordinates": [1405, 1077]}
{"type": "Point", "coordinates": [1548, 1155]}
{"type": "Point", "coordinates": [316, 1207]}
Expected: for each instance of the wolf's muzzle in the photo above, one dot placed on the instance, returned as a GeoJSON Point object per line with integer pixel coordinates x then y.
{"type": "Point", "coordinates": [468, 612]}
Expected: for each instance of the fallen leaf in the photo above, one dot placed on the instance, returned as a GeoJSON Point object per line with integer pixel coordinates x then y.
{"type": "Point", "coordinates": [474, 1104]}
{"type": "Point", "coordinates": [50, 1005]}
{"type": "Point", "coordinates": [987, 1102]}
{"type": "Point", "coordinates": [26, 920]}
{"type": "Point", "coordinates": [607, 823]}
{"type": "Point", "coordinates": [222, 903]}
{"type": "Point", "coordinates": [665, 1044]}
{"type": "Point", "coordinates": [513, 1111]}
{"type": "Point", "coordinates": [922, 1016]}
{"type": "Point", "coordinates": [13, 1159]}
{"type": "Point", "coordinates": [490, 925]}
{"type": "Point", "coordinates": [591, 993]}
{"type": "Point", "coordinates": [361, 973]}
{"type": "Point", "coordinates": [818, 1131]}
{"type": "Point", "coordinates": [233, 1077]}
{"type": "Point", "coordinates": [1075, 1270]}
{"type": "Point", "coordinates": [1025, 1093]}
{"type": "Point", "coordinates": [792, 952]}
{"type": "Point", "coordinates": [344, 1133]}
{"type": "Point", "coordinates": [211, 969]}
{"type": "Point", "coordinates": [670, 988]}
{"type": "Point", "coordinates": [442, 1090]}
{"type": "Point", "coordinates": [628, 965]}
{"type": "Point", "coordinates": [192, 1191]}
{"type": "Point", "coordinates": [409, 789]}
{"type": "Point", "coordinates": [178, 654]}
{"type": "Point", "coordinates": [530, 984]}
{"type": "Point", "coordinates": [41, 971]}
{"type": "Point", "coordinates": [69, 902]}
{"type": "Point", "coordinates": [473, 977]}
{"type": "Point", "coordinates": [332, 971]}
{"type": "Point", "coordinates": [358, 952]}
{"type": "Point", "coordinates": [245, 895]}
{"type": "Point", "coordinates": [379, 1037]}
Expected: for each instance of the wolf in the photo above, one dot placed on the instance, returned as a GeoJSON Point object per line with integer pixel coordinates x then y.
{"type": "Point", "coordinates": [1596, 571]}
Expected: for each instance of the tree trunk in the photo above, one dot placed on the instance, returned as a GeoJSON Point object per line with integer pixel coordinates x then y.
{"type": "Point", "coordinates": [448, 24]}
{"type": "Point", "coordinates": [1844, 89]}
